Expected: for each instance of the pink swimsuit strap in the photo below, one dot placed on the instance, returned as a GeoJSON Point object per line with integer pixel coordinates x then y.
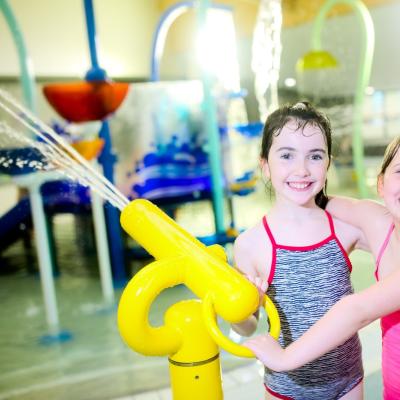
{"type": "Point", "coordinates": [382, 250]}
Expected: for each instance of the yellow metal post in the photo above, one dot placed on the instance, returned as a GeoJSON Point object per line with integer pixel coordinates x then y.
{"type": "Point", "coordinates": [195, 368]}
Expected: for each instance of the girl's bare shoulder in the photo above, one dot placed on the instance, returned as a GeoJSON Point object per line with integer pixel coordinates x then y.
{"type": "Point", "coordinates": [252, 250]}
{"type": "Point", "coordinates": [250, 238]}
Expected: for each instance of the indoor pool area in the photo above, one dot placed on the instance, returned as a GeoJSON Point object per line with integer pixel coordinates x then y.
{"type": "Point", "coordinates": [165, 168]}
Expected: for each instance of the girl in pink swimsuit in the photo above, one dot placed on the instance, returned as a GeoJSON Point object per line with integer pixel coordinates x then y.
{"type": "Point", "coordinates": [381, 227]}
{"type": "Point", "coordinates": [390, 325]}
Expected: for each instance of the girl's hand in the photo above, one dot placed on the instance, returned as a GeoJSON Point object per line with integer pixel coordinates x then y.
{"type": "Point", "coordinates": [249, 326]}
{"type": "Point", "coordinates": [260, 284]}
{"type": "Point", "coordinates": [268, 351]}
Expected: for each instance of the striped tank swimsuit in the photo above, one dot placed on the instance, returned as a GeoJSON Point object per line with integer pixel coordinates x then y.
{"type": "Point", "coordinates": [304, 283]}
{"type": "Point", "coordinates": [390, 325]}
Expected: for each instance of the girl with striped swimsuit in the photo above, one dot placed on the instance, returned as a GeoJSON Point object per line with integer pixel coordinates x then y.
{"type": "Point", "coordinates": [300, 252]}
{"type": "Point", "coordinates": [381, 226]}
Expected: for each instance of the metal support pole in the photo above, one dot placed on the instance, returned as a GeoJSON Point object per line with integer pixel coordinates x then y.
{"type": "Point", "coordinates": [107, 159]}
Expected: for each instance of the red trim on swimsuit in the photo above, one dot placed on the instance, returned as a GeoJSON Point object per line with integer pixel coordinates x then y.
{"type": "Point", "coordinates": [346, 256]}
{"type": "Point", "coordinates": [279, 396]}
{"type": "Point", "coordinates": [274, 245]}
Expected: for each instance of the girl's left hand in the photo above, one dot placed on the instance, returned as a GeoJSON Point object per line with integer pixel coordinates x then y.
{"type": "Point", "coordinates": [267, 350]}
{"type": "Point", "coordinates": [260, 284]}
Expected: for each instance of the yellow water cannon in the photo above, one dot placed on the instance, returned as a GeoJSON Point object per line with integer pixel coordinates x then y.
{"type": "Point", "coordinates": [190, 335]}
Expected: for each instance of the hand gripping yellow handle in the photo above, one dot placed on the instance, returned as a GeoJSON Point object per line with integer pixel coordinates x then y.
{"type": "Point", "coordinates": [227, 344]}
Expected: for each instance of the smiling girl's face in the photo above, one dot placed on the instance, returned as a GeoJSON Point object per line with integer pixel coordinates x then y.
{"type": "Point", "coordinates": [297, 163]}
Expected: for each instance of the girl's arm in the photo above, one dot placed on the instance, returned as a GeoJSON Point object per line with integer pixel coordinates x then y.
{"type": "Point", "coordinates": [360, 213]}
{"type": "Point", "coordinates": [341, 322]}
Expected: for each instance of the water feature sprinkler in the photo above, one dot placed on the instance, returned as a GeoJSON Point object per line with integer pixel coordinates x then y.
{"type": "Point", "coordinates": [190, 335]}
{"type": "Point", "coordinates": [86, 101]}
{"type": "Point", "coordinates": [319, 59]}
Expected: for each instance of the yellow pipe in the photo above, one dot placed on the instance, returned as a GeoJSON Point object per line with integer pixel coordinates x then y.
{"type": "Point", "coordinates": [234, 297]}
{"type": "Point", "coordinates": [195, 368]}
{"type": "Point", "coordinates": [134, 307]}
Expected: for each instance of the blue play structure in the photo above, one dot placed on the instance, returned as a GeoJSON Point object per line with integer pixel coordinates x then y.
{"type": "Point", "coordinates": [183, 162]}
{"type": "Point", "coordinates": [58, 197]}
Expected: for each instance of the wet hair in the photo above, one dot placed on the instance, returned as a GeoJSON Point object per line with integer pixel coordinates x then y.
{"type": "Point", "coordinates": [303, 114]}
{"type": "Point", "coordinates": [390, 152]}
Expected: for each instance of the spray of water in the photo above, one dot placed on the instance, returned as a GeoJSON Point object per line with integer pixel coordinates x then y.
{"type": "Point", "coordinates": [266, 55]}
{"type": "Point", "coordinates": [56, 152]}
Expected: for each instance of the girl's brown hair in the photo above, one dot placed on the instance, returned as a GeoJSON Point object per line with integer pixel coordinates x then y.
{"type": "Point", "coordinates": [390, 152]}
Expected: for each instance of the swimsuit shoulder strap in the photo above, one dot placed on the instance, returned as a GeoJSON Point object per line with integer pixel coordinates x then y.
{"type": "Point", "coordinates": [331, 225]}
{"type": "Point", "coordinates": [268, 230]}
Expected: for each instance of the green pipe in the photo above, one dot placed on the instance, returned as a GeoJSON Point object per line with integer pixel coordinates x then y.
{"type": "Point", "coordinates": [211, 126]}
{"type": "Point", "coordinates": [27, 79]}
{"type": "Point", "coordinates": [367, 53]}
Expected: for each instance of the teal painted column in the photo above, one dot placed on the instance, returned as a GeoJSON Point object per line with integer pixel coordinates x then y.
{"type": "Point", "coordinates": [211, 126]}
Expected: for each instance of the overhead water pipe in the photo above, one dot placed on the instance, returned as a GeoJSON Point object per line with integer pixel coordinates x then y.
{"type": "Point", "coordinates": [165, 22]}
{"type": "Point", "coordinates": [367, 52]}
{"type": "Point", "coordinates": [25, 64]}
{"type": "Point", "coordinates": [163, 26]}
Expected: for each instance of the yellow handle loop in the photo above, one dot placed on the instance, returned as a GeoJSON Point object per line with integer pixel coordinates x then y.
{"type": "Point", "coordinates": [134, 308]}
{"type": "Point", "coordinates": [227, 344]}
